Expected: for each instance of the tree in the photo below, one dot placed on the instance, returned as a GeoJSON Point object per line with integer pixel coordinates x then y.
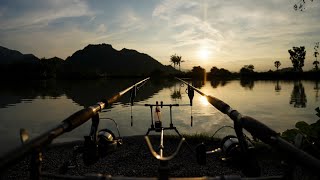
{"type": "Point", "coordinates": [198, 72]}
{"type": "Point", "coordinates": [179, 62]}
{"type": "Point", "coordinates": [277, 64]}
{"type": "Point", "coordinates": [214, 70]}
{"type": "Point", "coordinates": [300, 5]}
{"type": "Point", "coordinates": [315, 54]}
{"type": "Point", "coordinates": [297, 56]}
{"type": "Point", "coordinates": [176, 60]}
{"type": "Point", "coordinates": [219, 73]}
{"type": "Point", "coordinates": [247, 69]}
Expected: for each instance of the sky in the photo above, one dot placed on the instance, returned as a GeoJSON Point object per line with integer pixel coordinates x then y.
{"type": "Point", "coordinates": [227, 34]}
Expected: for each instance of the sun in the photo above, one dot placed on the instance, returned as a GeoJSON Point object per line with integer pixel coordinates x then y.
{"type": "Point", "coordinates": [203, 53]}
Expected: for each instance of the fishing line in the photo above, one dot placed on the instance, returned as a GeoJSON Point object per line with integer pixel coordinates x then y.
{"type": "Point", "coordinates": [225, 126]}
{"type": "Point", "coordinates": [133, 95]}
{"type": "Point", "coordinates": [119, 136]}
{"type": "Point", "coordinates": [141, 85]}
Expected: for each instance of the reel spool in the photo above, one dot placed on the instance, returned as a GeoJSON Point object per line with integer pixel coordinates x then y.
{"type": "Point", "coordinates": [231, 148]}
{"type": "Point", "coordinates": [107, 142]}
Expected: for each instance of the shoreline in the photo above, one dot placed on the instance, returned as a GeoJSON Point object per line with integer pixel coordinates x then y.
{"type": "Point", "coordinates": [133, 159]}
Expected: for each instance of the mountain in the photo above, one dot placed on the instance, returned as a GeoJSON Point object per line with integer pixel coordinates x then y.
{"type": "Point", "coordinates": [15, 65]}
{"type": "Point", "coordinates": [53, 59]}
{"type": "Point", "coordinates": [103, 58]}
{"type": "Point", "coordinates": [8, 56]}
{"type": "Point", "coordinates": [93, 61]}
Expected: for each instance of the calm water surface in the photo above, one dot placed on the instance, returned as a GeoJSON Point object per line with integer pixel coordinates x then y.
{"type": "Point", "coordinates": [37, 106]}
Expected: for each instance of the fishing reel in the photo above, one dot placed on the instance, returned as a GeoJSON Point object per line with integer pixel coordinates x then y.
{"type": "Point", "coordinates": [99, 144]}
{"type": "Point", "coordinates": [105, 143]}
{"type": "Point", "coordinates": [230, 148]}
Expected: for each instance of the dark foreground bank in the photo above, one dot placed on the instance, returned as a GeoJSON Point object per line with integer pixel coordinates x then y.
{"type": "Point", "coordinates": [133, 159]}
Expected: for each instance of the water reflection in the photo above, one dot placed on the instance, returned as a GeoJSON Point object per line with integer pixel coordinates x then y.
{"type": "Point", "coordinates": [277, 87]}
{"type": "Point", "coordinates": [52, 101]}
{"type": "Point", "coordinates": [316, 88]}
{"type": "Point", "coordinates": [216, 83]}
{"type": "Point", "coordinates": [84, 93]}
{"type": "Point", "coordinates": [298, 95]}
{"type": "Point", "coordinates": [247, 83]}
{"type": "Point", "coordinates": [176, 94]}
{"type": "Point", "coordinates": [198, 84]}
{"type": "Point", "coordinates": [21, 91]}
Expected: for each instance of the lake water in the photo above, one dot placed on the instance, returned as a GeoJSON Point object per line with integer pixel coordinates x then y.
{"type": "Point", "coordinates": [39, 105]}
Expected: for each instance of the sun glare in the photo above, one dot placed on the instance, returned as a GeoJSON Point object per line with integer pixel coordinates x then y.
{"type": "Point", "coordinates": [204, 53]}
{"type": "Point", "coordinates": [204, 100]}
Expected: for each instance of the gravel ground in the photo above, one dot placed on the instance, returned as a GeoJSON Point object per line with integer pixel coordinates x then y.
{"type": "Point", "coordinates": [133, 159]}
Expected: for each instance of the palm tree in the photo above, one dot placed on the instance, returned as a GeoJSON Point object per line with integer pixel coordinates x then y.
{"type": "Point", "coordinates": [176, 60]}
{"type": "Point", "coordinates": [179, 62]}
{"type": "Point", "coordinates": [277, 64]}
{"type": "Point", "coordinates": [173, 60]}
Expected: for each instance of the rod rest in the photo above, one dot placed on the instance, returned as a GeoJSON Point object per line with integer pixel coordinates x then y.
{"type": "Point", "coordinates": [157, 156]}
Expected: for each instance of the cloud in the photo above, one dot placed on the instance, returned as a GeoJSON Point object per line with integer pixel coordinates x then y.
{"type": "Point", "coordinates": [129, 21]}
{"type": "Point", "coordinates": [2, 11]}
{"type": "Point", "coordinates": [49, 43]}
{"type": "Point", "coordinates": [43, 13]}
{"type": "Point", "coordinates": [121, 28]}
{"type": "Point", "coordinates": [92, 18]}
{"type": "Point", "coordinates": [231, 30]}
{"type": "Point", "coordinates": [101, 28]}
{"type": "Point", "coordinates": [187, 19]}
{"type": "Point", "coordinates": [237, 29]}
{"type": "Point", "coordinates": [170, 9]}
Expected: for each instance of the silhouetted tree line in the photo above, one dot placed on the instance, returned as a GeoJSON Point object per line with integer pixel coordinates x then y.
{"type": "Point", "coordinates": [96, 61]}
{"type": "Point", "coordinates": [216, 73]}
{"type": "Point", "coordinates": [247, 72]}
{"type": "Point", "coordinates": [53, 68]}
{"type": "Point", "coordinates": [197, 72]}
{"type": "Point", "coordinates": [40, 69]}
{"type": "Point", "coordinates": [56, 68]}
{"type": "Point", "coordinates": [20, 70]}
{"type": "Point", "coordinates": [297, 57]}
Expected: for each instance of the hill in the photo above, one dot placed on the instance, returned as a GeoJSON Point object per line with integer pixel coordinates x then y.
{"type": "Point", "coordinates": [93, 61]}
{"type": "Point", "coordinates": [104, 59]}
{"type": "Point", "coordinates": [8, 56]}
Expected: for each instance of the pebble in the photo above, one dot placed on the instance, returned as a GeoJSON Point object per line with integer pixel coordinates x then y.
{"type": "Point", "coordinates": [133, 159]}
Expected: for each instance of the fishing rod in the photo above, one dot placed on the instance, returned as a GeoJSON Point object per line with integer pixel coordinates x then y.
{"type": "Point", "coordinates": [34, 146]}
{"type": "Point", "coordinates": [258, 130]}
{"type": "Point", "coordinates": [69, 124]}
